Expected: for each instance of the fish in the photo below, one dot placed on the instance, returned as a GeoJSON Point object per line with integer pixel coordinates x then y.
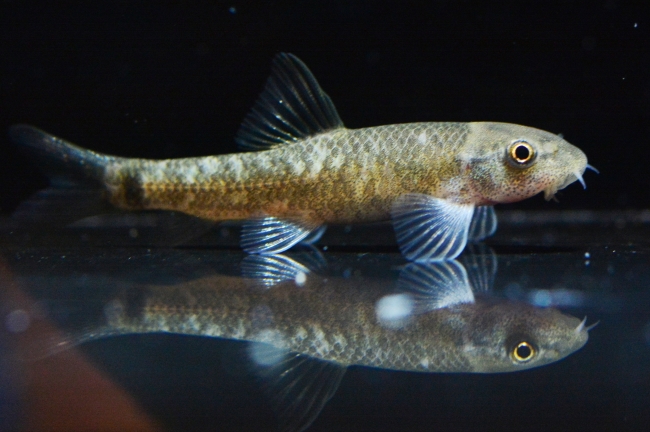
{"type": "Point", "coordinates": [305, 327]}
{"type": "Point", "coordinates": [437, 181]}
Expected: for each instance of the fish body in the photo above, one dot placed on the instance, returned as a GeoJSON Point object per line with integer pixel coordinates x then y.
{"type": "Point", "coordinates": [310, 170]}
{"type": "Point", "coordinates": [305, 329]}
{"type": "Point", "coordinates": [344, 322]}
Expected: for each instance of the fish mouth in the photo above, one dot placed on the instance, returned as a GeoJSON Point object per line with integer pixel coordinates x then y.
{"type": "Point", "coordinates": [549, 192]}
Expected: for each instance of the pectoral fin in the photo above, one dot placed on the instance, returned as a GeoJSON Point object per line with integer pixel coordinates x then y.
{"type": "Point", "coordinates": [481, 265]}
{"type": "Point", "coordinates": [435, 285]}
{"type": "Point", "coordinates": [298, 386]}
{"type": "Point", "coordinates": [271, 235]}
{"type": "Point", "coordinates": [484, 223]}
{"type": "Point", "coordinates": [429, 228]}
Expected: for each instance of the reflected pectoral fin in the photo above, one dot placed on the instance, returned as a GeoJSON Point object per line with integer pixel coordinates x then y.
{"type": "Point", "coordinates": [297, 385]}
{"type": "Point", "coordinates": [484, 223]}
{"type": "Point", "coordinates": [270, 235]}
{"type": "Point", "coordinates": [435, 285]}
{"type": "Point", "coordinates": [481, 265]}
{"type": "Point", "coordinates": [429, 228]}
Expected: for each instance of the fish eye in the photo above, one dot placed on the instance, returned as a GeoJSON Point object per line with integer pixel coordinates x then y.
{"type": "Point", "coordinates": [523, 352]}
{"type": "Point", "coordinates": [521, 152]}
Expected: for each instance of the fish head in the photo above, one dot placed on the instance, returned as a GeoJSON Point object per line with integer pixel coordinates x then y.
{"type": "Point", "coordinates": [509, 163]}
{"type": "Point", "coordinates": [513, 336]}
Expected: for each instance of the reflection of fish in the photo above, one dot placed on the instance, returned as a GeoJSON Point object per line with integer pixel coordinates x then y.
{"type": "Point", "coordinates": [436, 180]}
{"type": "Point", "coordinates": [308, 328]}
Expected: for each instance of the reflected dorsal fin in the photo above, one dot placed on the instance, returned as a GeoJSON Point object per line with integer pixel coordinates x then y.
{"type": "Point", "coordinates": [292, 106]}
{"type": "Point", "coordinates": [298, 386]}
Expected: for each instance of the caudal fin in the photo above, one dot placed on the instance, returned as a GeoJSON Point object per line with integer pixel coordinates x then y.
{"type": "Point", "coordinates": [60, 160]}
{"type": "Point", "coordinates": [76, 179]}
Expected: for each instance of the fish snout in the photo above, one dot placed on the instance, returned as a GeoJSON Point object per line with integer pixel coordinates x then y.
{"type": "Point", "coordinates": [574, 174]}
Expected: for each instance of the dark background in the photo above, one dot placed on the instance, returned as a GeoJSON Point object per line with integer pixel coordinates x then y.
{"type": "Point", "coordinates": [164, 79]}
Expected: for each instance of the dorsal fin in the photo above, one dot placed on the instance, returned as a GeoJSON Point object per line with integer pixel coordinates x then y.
{"type": "Point", "coordinates": [292, 106]}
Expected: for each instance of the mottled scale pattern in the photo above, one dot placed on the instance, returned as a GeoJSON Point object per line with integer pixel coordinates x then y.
{"type": "Point", "coordinates": [344, 175]}
{"type": "Point", "coordinates": [329, 319]}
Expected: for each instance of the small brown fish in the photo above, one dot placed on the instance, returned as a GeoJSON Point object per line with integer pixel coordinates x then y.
{"type": "Point", "coordinates": [437, 181]}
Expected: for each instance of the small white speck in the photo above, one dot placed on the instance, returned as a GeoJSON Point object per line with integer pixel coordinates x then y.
{"type": "Point", "coordinates": [587, 255]}
{"type": "Point", "coordinates": [422, 138]}
{"type": "Point", "coordinates": [636, 25]}
{"type": "Point", "coordinates": [587, 263]}
{"type": "Point", "coordinates": [301, 278]}
{"type": "Point", "coordinates": [392, 310]}
{"type": "Point", "coordinates": [623, 78]}
{"type": "Point", "coordinates": [324, 248]}
{"type": "Point", "coordinates": [425, 362]}
{"type": "Point", "coordinates": [232, 10]}
{"type": "Point", "coordinates": [17, 321]}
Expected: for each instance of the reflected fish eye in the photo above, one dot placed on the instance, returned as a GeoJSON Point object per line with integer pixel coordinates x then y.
{"type": "Point", "coordinates": [521, 152]}
{"type": "Point", "coordinates": [523, 352]}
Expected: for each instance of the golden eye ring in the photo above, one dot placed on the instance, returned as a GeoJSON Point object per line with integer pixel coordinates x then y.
{"type": "Point", "coordinates": [521, 153]}
{"type": "Point", "coordinates": [523, 352]}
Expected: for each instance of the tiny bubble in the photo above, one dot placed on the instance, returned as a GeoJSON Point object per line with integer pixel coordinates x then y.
{"type": "Point", "coordinates": [636, 25]}
{"type": "Point", "coordinates": [587, 263]}
{"type": "Point", "coordinates": [324, 248]}
{"type": "Point", "coordinates": [347, 229]}
{"type": "Point", "coordinates": [347, 273]}
{"type": "Point", "coordinates": [232, 10]}
{"type": "Point", "coordinates": [587, 255]}
{"type": "Point", "coordinates": [133, 233]}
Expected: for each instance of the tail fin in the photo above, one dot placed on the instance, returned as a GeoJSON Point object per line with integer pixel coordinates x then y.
{"type": "Point", "coordinates": [61, 161]}
{"type": "Point", "coordinates": [76, 179]}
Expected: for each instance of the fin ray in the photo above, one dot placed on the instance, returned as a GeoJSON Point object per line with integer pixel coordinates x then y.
{"type": "Point", "coordinates": [481, 264]}
{"type": "Point", "coordinates": [291, 106]}
{"type": "Point", "coordinates": [270, 235]}
{"type": "Point", "coordinates": [429, 228]}
{"type": "Point", "coordinates": [59, 158]}
{"type": "Point", "coordinates": [484, 223]}
{"type": "Point", "coordinates": [299, 387]}
{"type": "Point", "coordinates": [436, 285]}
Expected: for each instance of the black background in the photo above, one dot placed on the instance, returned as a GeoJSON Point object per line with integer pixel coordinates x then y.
{"type": "Point", "coordinates": [169, 79]}
{"type": "Point", "coordinates": [162, 79]}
